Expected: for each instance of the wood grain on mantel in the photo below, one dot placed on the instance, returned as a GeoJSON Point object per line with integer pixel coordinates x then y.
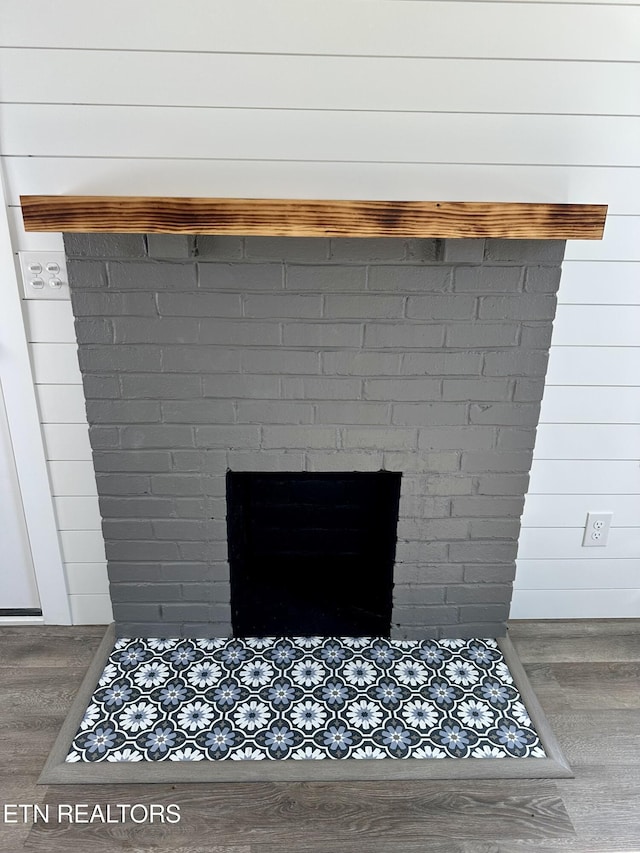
{"type": "Point", "coordinates": [306, 218]}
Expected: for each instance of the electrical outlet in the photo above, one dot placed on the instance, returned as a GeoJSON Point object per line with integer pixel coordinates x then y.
{"type": "Point", "coordinates": [44, 275]}
{"type": "Point", "coordinates": [596, 530]}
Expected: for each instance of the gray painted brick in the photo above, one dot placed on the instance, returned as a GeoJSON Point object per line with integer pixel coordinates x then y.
{"type": "Point", "coordinates": [483, 552]}
{"type": "Point", "coordinates": [160, 386]}
{"type": "Point", "coordinates": [528, 389]}
{"type": "Point", "coordinates": [325, 278]}
{"type": "Point", "coordinates": [242, 277]}
{"type": "Point", "coordinates": [94, 331]}
{"type": "Point", "coordinates": [200, 461]}
{"type": "Point", "coordinates": [421, 462]}
{"type": "Point", "coordinates": [423, 506]}
{"type": "Point", "coordinates": [390, 438]}
{"type": "Point", "coordinates": [421, 574]}
{"type": "Point", "coordinates": [429, 414]}
{"type": "Point", "coordinates": [228, 437]}
{"type": "Point", "coordinates": [200, 359]}
{"type": "Point", "coordinates": [404, 279]}
{"type": "Point", "coordinates": [489, 461]}
{"type": "Point", "coordinates": [170, 246]}
{"type": "Point", "coordinates": [195, 572]}
{"type": "Point", "coordinates": [279, 305]}
{"type": "Point", "coordinates": [209, 246]}
{"type": "Point", "coordinates": [433, 530]}
{"type": "Point", "coordinates": [501, 574]}
{"type": "Point", "coordinates": [152, 628]}
{"type": "Point", "coordinates": [86, 274]}
{"type": "Point", "coordinates": [542, 279]}
{"type": "Point", "coordinates": [469, 630]}
{"type": "Point", "coordinates": [445, 364]}
{"type": "Point", "coordinates": [138, 614]}
{"type": "Point", "coordinates": [197, 411]}
{"type": "Point", "coordinates": [408, 632]}
{"type": "Point", "coordinates": [475, 389]}
{"type": "Point", "coordinates": [182, 529]}
{"type": "Point", "coordinates": [156, 330]}
{"type": "Point", "coordinates": [421, 552]}
{"type": "Point", "coordinates": [104, 245]}
{"type": "Point", "coordinates": [281, 361]}
{"type": "Point", "coordinates": [321, 388]}
{"type": "Point", "coordinates": [122, 411]}
{"type": "Point", "coordinates": [405, 336]}
{"type": "Point", "coordinates": [410, 390]}
{"type": "Point", "coordinates": [344, 460]}
{"type": "Point", "coordinates": [104, 438]}
{"type": "Point", "coordinates": [424, 250]}
{"type": "Point", "coordinates": [353, 413]}
{"type": "Point", "coordinates": [176, 484]}
{"type": "Point", "coordinates": [464, 335]}
{"type": "Point", "coordinates": [516, 438]}
{"type": "Point", "coordinates": [217, 592]}
{"type": "Point", "coordinates": [360, 363]}
{"type": "Point", "coordinates": [483, 506]}
{"type": "Point", "coordinates": [503, 484]}
{"type": "Point", "coordinates": [510, 414]}
{"type": "Point", "coordinates": [165, 436]}
{"type": "Point", "coordinates": [304, 437]}
{"type": "Point", "coordinates": [192, 611]}
{"type": "Point", "coordinates": [482, 593]}
{"type": "Point", "coordinates": [449, 485]}
{"type": "Point", "coordinates": [98, 387]}
{"type": "Point", "coordinates": [242, 386]}
{"type": "Point", "coordinates": [536, 336]}
{"type": "Point", "coordinates": [151, 276]}
{"type": "Point", "coordinates": [136, 528]}
{"type": "Point", "coordinates": [494, 528]}
{"type": "Point", "coordinates": [322, 334]}
{"type": "Point", "coordinates": [516, 363]}
{"type": "Point", "coordinates": [197, 551]}
{"type": "Point", "coordinates": [521, 307]}
{"type": "Point", "coordinates": [484, 612]}
{"type": "Point", "coordinates": [135, 550]}
{"type": "Point", "coordinates": [434, 615]}
{"type": "Point", "coordinates": [418, 594]}
{"type": "Point", "coordinates": [456, 438]}
{"type": "Point", "coordinates": [489, 279]}
{"type": "Point", "coordinates": [238, 333]}
{"type": "Point", "coordinates": [441, 307]}
{"type": "Point", "coordinates": [199, 304]}
{"type": "Point", "coordinates": [534, 251]}
{"type": "Point", "coordinates": [119, 358]}
{"type": "Point", "coordinates": [346, 306]}
{"type": "Point", "coordinates": [145, 592]}
{"type": "Point", "coordinates": [144, 507]}
{"type": "Point", "coordinates": [287, 248]}
{"type": "Point", "coordinates": [368, 249]}
{"type": "Point", "coordinates": [265, 460]}
{"type": "Point", "coordinates": [132, 461]}
{"type": "Point", "coordinates": [205, 629]}
{"type": "Point", "coordinates": [134, 572]}
{"type": "Point", "coordinates": [122, 484]}
{"type": "Point", "coordinates": [274, 412]}
{"type": "Point", "coordinates": [464, 251]}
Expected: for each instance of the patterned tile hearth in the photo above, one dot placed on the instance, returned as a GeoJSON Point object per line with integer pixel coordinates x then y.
{"type": "Point", "coordinates": [304, 698]}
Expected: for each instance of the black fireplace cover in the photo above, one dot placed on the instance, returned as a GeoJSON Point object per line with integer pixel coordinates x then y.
{"type": "Point", "coordinates": [312, 554]}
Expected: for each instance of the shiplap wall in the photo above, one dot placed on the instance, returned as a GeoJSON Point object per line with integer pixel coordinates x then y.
{"type": "Point", "coordinates": [501, 101]}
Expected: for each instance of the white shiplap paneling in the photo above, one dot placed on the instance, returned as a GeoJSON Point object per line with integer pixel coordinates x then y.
{"type": "Point", "coordinates": [568, 477]}
{"type": "Point", "coordinates": [588, 440]}
{"type": "Point", "coordinates": [570, 603]}
{"type": "Point", "coordinates": [578, 574]}
{"type": "Point", "coordinates": [571, 510]}
{"type": "Point", "coordinates": [55, 364]}
{"type": "Point", "coordinates": [82, 546]}
{"type": "Point", "coordinates": [77, 513]}
{"type": "Point", "coordinates": [66, 441]}
{"type": "Point", "coordinates": [94, 609]}
{"type": "Point", "coordinates": [597, 326]}
{"type": "Point", "coordinates": [49, 321]}
{"type": "Point", "coordinates": [565, 543]}
{"type": "Point", "coordinates": [73, 479]}
{"type": "Point", "coordinates": [591, 405]}
{"type": "Point", "coordinates": [61, 404]}
{"type": "Point", "coordinates": [594, 366]}
{"type": "Point", "coordinates": [87, 578]}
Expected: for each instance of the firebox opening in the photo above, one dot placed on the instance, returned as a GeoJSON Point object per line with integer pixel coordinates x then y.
{"type": "Point", "coordinates": [312, 554]}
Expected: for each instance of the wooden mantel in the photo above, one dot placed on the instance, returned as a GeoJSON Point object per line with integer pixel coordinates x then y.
{"type": "Point", "coordinates": [303, 218]}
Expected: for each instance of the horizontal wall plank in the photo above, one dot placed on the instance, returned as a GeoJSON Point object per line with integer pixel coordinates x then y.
{"type": "Point", "coordinates": [91, 609]}
{"type": "Point", "coordinates": [578, 574]}
{"type": "Point", "coordinates": [82, 546]}
{"type": "Point", "coordinates": [567, 477]}
{"type": "Point", "coordinates": [619, 188]}
{"type": "Point", "coordinates": [594, 366]}
{"type": "Point", "coordinates": [571, 510]}
{"type": "Point", "coordinates": [72, 479]}
{"type": "Point", "coordinates": [61, 404]}
{"type": "Point", "coordinates": [600, 282]}
{"type": "Point", "coordinates": [318, 135]}
{"type": "Point", "coordinates": [87, 578]}
{"type": "Point", "coordinates": [597, 326]}
{"type": "Point", "coordinates": [55, 364]}
{"type": "Point", "coordinates": [589, 440]}
{"type": "Point", "coordinates": [318, 82]}
{"type": "Point", "coordinates": [77, 513]}
{"type": "Point", "coordinates": [575, 604]}
{"type": "Point", "coordinates": [598, 405]}
{"type": "Point", "coordinates": [49, 321]}
{"type": "Point", "coordinates": [621, 242]}
{"type": "Point", "coordinates": [67, 441]}
{"type": "Point", "coordinates": [285, 26]}
{"type": "Point", "coordinates": [316, 218]}
{"type": "Point", "coordinates": [550, 543]}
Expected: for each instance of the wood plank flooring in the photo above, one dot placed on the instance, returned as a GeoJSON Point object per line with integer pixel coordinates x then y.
{"type": "Point", "coordinates": [585, 673]}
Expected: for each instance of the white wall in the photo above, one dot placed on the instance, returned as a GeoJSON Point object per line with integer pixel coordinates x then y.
{"type": "Point", "coordinates": [360, 99]}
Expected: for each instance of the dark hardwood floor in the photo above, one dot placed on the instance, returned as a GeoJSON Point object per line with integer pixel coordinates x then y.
{"type": "Point", "coordinates": [585, 673]}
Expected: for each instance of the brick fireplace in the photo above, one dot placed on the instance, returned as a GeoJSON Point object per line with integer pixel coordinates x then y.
{"type": "Point", "coordinates": [202, 355]}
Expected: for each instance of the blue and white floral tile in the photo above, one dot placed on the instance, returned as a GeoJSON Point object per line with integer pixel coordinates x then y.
{"type": "Point", "coordinates": [304, 698]}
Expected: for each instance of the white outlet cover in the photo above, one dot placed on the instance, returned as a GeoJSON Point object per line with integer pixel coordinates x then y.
{"type": "Point", "coordinates": [44, 275]}
{"type": "Point", "coordinates": [596, 529]}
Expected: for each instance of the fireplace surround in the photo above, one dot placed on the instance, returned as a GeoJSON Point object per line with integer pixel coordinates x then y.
{"type": "Point", "coordinates": [203, 354]}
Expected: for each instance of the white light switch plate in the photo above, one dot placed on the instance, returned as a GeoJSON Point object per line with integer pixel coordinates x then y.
{"type": "Point", "coordinates": [44, 275]}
